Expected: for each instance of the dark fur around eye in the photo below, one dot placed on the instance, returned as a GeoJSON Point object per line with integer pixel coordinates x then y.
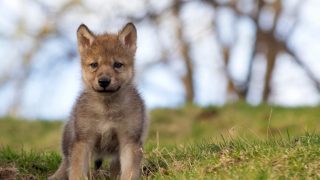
{"type": "Point", "coordinates": [94, 65]}
{"type": "Point", "coordinates": [117, 65]}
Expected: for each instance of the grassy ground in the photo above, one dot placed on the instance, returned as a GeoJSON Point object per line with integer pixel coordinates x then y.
{"type": "Point", "coordinates": [234, 142]}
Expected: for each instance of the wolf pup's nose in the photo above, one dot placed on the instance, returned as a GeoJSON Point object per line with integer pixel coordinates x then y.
{"type": "Point", "coordinates": [104, 82]}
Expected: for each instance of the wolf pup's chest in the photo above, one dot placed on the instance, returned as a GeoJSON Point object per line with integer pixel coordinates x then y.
{"type": "Point", "coordinates": [106, 113]}
{"type": "Point", "coordinates": [107, 142]}
{"type": "Point", "coordinates": [107, 120]}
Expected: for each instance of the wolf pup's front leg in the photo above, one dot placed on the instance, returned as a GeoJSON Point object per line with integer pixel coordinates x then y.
{"type": "Point", "coordinates": [130, 160]}
{"type": "Point", "coordinates": [79, 161]}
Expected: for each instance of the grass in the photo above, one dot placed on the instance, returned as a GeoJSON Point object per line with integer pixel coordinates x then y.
{"type": "Point", "coordinates": [38, 135]}
{"type": "Point", "coordinates": [234, 142]}
{"type": "Point", "coordinates": [239, 159]}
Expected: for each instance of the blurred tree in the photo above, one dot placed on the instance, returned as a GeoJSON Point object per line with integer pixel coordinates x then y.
{"type": "Point", "coordinates": [184, 49]}
{"type": "Point", "coordinates": [47, 29]}
{"type": "Point", "coordinates": [268, 18]}
{"type": "Point", "coordinates": [268, 41]}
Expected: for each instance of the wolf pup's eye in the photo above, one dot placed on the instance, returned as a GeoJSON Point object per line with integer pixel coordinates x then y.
{"type": "Point", "coordinates": [94, 65]}
{"type": "Point", "coordinates": [117, 65]}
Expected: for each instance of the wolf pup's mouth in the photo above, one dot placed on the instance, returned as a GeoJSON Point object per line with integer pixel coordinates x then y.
{"type": "Point", "coordinates": [109, 90]}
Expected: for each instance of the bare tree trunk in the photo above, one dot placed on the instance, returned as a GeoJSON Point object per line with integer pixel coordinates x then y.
{"type": "Point", "coordinates": [231, 89]}
{"type": "Point", "coordinates": [184, 50]}
{"type": "Point", "coordinates": [188, 78]}
{"type": "Point", "coordinates": [272, 45]}
{"type": "Point", "coordinates": [271, 59]}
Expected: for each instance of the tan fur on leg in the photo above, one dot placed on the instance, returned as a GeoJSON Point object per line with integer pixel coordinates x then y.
{"type": "Point", "coordinates": [79, 161]}
{"type": "Point", "coordinates": [130, 158]}
{"type": "Point", "coordinates": [61, 173]}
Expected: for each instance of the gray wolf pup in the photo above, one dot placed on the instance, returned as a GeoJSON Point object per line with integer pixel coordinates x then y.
{"type": "Point", "coordinates": [108, 119]}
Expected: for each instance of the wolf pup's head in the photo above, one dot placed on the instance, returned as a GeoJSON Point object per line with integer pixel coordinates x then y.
{"type": "Point", "coordinates": [107, 60]}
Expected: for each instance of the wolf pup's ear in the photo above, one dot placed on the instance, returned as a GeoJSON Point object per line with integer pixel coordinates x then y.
{"type": "Point", "coordinates": [128, 37]}
{"type": "Point", "coordinates": [85, 38]}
